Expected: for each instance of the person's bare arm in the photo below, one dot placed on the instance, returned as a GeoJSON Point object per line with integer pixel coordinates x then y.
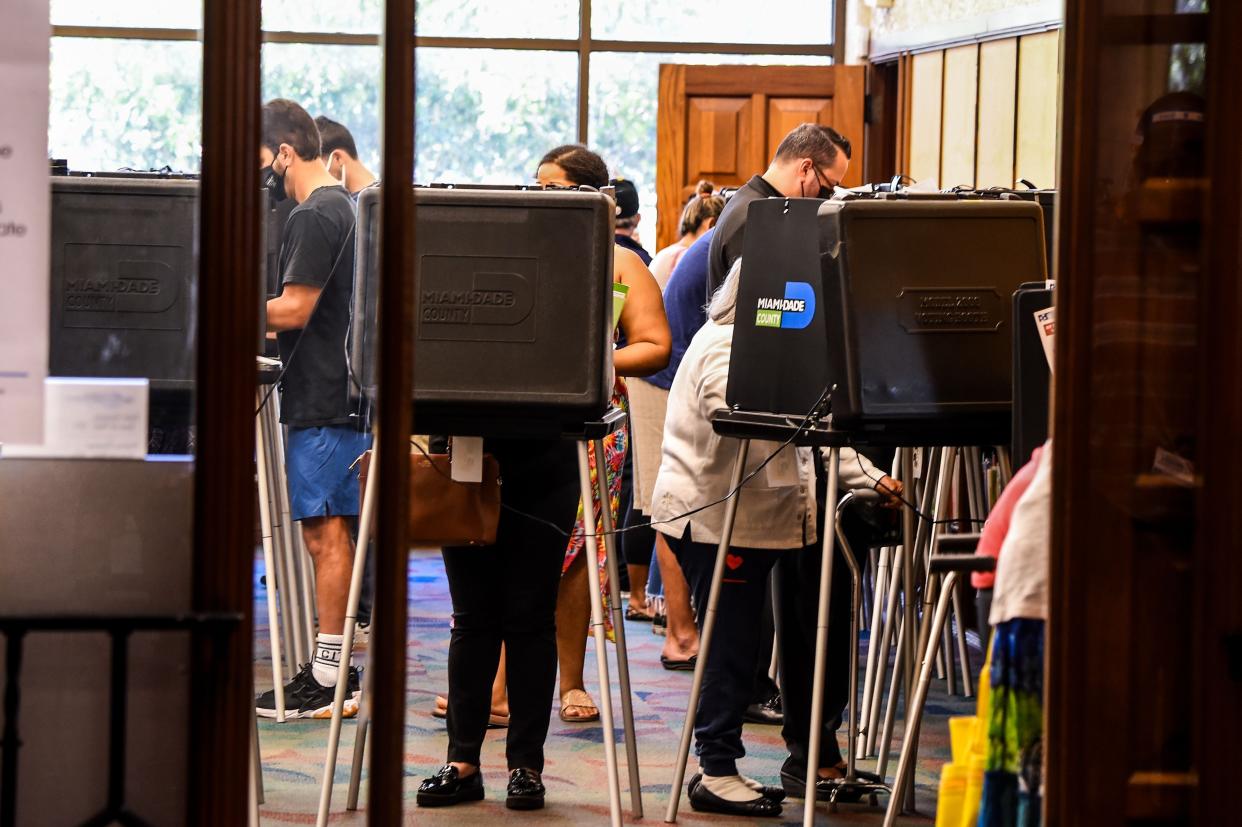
{"type": "Point", "coordinates": [648, 341]}
{"type": "Point", "coordinates": [291, 310]}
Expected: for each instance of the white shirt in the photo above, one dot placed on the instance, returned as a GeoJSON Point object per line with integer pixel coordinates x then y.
{"type": "Point", "coordinates": [777, 507]}
{"type": "Point", "coordinates": [1021, 588]}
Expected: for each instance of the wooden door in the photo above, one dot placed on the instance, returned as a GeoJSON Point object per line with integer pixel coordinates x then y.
{"type": "Point", "coordinates": [723, 124]}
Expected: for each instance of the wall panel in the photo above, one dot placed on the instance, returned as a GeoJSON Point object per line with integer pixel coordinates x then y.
{"type": "Point", "coordinates": [998, 109]}
{"type": "Point", "coordinates": [961, 88]}
{"type": "Point", "coordinates": [926, 115]}
{"type": "Point", "coordinates": [1039, 85]}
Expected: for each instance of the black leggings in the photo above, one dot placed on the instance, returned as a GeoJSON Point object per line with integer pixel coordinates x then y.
{"type": "Point", "coordinates": [507, 593]}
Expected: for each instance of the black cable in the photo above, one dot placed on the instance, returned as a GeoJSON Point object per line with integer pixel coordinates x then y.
{"type": "Point", "coordinates": [302, 332]}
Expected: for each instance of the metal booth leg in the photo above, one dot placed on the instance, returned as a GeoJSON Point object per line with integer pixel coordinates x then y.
{"type": "Point", "coordinates": [293, 536]}
{"type": "Point", "coordinates": [269, 566]}
{"type": "Point", "coordinates": [821, 642]}
{"type": "Point", "coordinates": [705, 636]}
{"type": "Point", "coordinates": [351, 614]}
{"type": "Point", "coordinates": [618, 625]}
{"type": "Point", "coordinates": [893, 619]}
{"type": "Point", "coordinates": [597, 626]}
{"type": "Point", "coordinates": [903, 783]}
{"type": "Point", "coordinates": [282, 533]}
{"type": "Point", "coordinates": [880, 569]}
{"type": "Point", "coordinates": [360, 734]}
{"type": "Point", "coordinates": [284, 582]}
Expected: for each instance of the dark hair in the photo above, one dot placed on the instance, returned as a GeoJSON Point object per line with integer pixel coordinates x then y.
{"type": "Point", "coordinates": [334, 136]}
{"type": "Point", "coordinates": [703, 205]}
{"type": "Point", "coordinates": [284, 122]}
{"type": "Point", "coordinates": [582, 166]}
{"type": "Point", "coordinates": [1170, 136]}
{"type": "Point", "coordinates": [811, 140]}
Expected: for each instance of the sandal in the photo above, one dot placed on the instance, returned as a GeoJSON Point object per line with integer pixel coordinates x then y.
{"type": "Point", "coordinates": [634, 614]}
{"type": "Point", "coordinates": [578, 699]}
{"type": "Point", "coordinates": [494, 720]}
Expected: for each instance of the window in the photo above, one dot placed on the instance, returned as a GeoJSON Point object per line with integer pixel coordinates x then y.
{"type": "Point", "coordinates": [488, 115]}
{"type": "Point", "coordinates": [341, 82]}
{"type": "Point", "coordinates": [126, 104]}
{"type": "Point", "coordinates": [488, 103]}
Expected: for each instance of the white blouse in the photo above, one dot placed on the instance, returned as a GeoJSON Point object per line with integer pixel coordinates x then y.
{"type": "Point", "coordinates": [777, 508]}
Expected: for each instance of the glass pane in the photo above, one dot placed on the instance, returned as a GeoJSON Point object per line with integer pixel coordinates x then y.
{"type": "Point", "coordinates": [340, 82]}
{"type": "Point", "coordinates": [125, 104]}
{"type": "Point", "coordinates": [351, 16]}
{"type": "Point", "coordinates": [497, 18]}
{"type": "Point", "coordinates": [487, 116]}
{"type": "Point", "coordinates": [624, 93]}
{"type": "Point", "coordinates": [171, 14]}
{"type": "Point", "coordinates": [725, 21]}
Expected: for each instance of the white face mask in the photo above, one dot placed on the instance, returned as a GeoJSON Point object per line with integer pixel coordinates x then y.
{"type": "Point", "coordinates": [328, 167]}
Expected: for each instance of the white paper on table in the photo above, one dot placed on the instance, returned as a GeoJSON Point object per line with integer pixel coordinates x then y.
{"type": "Point", "coordinates": [95, 418]}
{"type": "Point", "coordinates": [1046, 321]}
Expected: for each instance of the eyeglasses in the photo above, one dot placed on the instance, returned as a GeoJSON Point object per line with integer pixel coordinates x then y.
{"type": "Point", "coordinates": [824, 180]}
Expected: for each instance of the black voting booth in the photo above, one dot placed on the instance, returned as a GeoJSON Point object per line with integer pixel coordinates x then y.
{"type": "Point", "coordinates": [901, 308]}
{"type": "Point", "coordinates": [514, 324]}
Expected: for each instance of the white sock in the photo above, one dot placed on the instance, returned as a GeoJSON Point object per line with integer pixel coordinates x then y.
{"type": "Point", "coordinates": [327, 658]}
{"type": "Point", "coordinates": [753, 784]}
{"type": "Point", "coordinates": [730, 788]}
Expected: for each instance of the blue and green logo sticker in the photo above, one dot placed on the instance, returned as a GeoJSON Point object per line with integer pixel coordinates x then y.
{"type": "Point", "coordinates": [794, 312]}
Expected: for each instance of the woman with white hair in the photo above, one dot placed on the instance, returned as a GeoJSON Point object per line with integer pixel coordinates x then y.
{"type": "Point", "coordinates": [776, 521]}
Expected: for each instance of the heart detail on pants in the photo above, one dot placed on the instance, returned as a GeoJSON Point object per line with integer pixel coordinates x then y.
{"type": "Point", "coordinates": [733, 561]}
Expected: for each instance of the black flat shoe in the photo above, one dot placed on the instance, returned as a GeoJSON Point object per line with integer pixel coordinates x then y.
{"type": "Point", "coordinates": [774, 793]}
{"type": "Point", "coordinates": [705, 801]}
{"type": "Point", "coordinates": [525, 791]}
{"type": "Point", "coordinates": [768, 713]}
{"type": "Point", "coordinates": [447, 787]}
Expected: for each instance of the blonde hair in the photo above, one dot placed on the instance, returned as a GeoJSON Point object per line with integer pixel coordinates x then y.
{"type": "Point", "coordinates": [722, 309]}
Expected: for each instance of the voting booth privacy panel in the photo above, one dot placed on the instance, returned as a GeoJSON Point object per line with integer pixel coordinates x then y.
{"type": "Point", "coordinates": [514, 310]}
{"type": "Point", "coordinates": [902, 309]}
{"type": "Point", "coordinates": [124, 272]}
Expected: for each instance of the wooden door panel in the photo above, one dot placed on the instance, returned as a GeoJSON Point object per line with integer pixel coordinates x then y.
{"type": "Point", "coordinates": [718, 139]}
{"type": "Point", "coordinates": [786, 113]}
{"type": "Point", "coordinates": [723, 123]}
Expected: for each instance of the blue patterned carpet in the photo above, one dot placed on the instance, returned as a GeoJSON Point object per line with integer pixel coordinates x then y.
{"type": "Point", "coordinates": [293, 752]}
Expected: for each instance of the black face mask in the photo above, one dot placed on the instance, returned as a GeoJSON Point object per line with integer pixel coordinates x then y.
{"type": "Point", "coordinates": [274, 183]}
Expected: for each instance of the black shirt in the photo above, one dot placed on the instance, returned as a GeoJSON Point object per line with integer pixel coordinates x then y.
{"type": "Point", "coordinates": [630, 244]}
{"type": "Point", "coordinates": [318, 251]}
{"type": "Point", "coordinates": [730, 229]}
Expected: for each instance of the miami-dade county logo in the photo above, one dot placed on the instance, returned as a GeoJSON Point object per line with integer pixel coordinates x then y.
{"type": "Point", "coordinates": [793, 312]}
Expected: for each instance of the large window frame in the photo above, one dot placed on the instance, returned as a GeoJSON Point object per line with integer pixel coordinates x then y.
{"type": "Point", "coordinates": [585, 45]}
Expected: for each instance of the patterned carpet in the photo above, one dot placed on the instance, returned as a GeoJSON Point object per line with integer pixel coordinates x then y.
{"type": "Point", "coordinates": [293, 752]}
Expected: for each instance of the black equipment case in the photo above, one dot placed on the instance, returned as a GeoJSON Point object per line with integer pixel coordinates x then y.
{"type": "Point", "coordinates": [915, 334]}
{"type": "Point", "coordinates": [513, 330]}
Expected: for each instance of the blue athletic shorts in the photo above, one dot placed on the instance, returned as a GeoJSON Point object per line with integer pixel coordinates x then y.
{"type": "Point", "coordinates": [321, 482]}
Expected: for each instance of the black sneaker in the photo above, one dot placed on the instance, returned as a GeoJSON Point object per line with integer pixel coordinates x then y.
{"type": "Point", "coordinates": [305, 697]}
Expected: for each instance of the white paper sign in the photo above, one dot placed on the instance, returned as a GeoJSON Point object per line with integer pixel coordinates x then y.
{"type": "Point", "coordinates": [24, 218]}
{"type": "Point", "coordinates": [466, 461]}
{"type": "Point", "coordinates": [97, 418]}
{"type": "Point", "coordinates": [1046, 321]}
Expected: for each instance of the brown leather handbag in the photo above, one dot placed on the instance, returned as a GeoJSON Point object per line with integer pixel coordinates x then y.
{"type": "Point", "coordinates": [444, 512]}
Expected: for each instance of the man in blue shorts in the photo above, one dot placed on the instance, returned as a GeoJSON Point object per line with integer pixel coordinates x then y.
{"type": "Point", "coordinates": [327, 433]}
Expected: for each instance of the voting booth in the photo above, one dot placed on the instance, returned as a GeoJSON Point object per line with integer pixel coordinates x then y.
{"type": "Point", "coordinates": [513, 333]}
{"type": "Point", "coordinates": [901, 309]}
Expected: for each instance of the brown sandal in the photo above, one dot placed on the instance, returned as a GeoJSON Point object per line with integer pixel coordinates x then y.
{"type": "Point", "coordinates": [574, 699]}
{"type": "Point", "coordinates": [494, 720]}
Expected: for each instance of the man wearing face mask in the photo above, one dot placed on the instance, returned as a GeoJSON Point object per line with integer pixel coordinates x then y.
{"type": "Point", "coordinates": [340, 155]}
{"type": "Point", "coordinates": [810, 163]}
{"type": "Point", "coordinates": [310, 318]}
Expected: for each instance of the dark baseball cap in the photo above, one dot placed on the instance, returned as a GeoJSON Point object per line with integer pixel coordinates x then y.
{"type": "Point", "coordinates": [627, 197]}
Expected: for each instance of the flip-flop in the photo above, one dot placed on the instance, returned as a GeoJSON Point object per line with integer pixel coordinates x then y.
{"type": "Point", "coordinates": [686, 665]}
{"type": "Point", "coordinates": [570, 700]}
{"type": "Point", "coordinates": [494, 721]}
{"type": "Point", "coordinates": [634, 614]}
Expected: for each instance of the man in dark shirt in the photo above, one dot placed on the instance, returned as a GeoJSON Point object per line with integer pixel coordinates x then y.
{"type": "Point", "coordinates": [628, 218]}
{"type": "Point", "coordinates": [310, 318]}
{"type": "Point", "coordinates": [810, 162]}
